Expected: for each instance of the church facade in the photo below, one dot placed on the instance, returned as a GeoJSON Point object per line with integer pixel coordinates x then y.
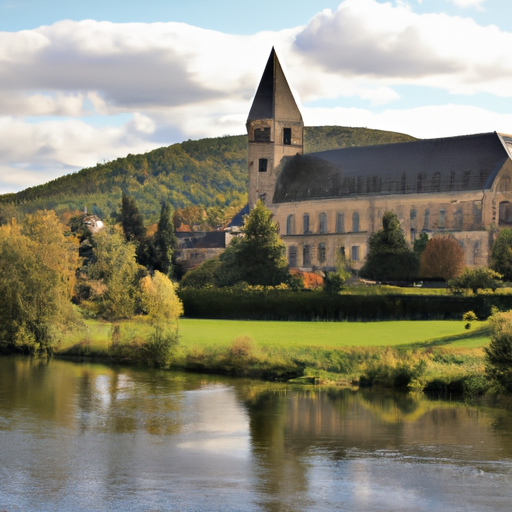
{"type": "Point", "coordinates": [327, 204]}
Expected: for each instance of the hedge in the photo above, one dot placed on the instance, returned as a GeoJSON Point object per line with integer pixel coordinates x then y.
{"type": "Point", "coordinates": [226, 303]}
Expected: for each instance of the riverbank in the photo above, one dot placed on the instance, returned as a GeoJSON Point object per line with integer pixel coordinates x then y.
{"type": "Point", "coordinates": [437, 356]}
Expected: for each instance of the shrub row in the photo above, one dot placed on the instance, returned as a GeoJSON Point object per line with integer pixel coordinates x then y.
{"type": "Point", "coordinates": [232, 303]}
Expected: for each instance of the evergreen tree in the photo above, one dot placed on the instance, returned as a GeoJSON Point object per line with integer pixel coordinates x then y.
{"type": "Point", "coordinates": [389, 256]}
{"type": "Point", "coordinates": [165, 241]}
{"type": "Point", "coordinates": [258, 258]}
{"type": "Point", "coordinates": [501, 254]}
{"type": "Point", "coordinates": [132, 221]}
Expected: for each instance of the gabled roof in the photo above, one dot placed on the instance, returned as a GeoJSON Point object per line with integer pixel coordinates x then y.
{"type": "Point", "coordinates": [450, 164]}
{"type": "Point", "coordinates": [274, 98]}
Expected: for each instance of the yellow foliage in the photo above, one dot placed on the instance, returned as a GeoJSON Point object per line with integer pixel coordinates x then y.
{"type": "Point", "coordinates": [159, 299]}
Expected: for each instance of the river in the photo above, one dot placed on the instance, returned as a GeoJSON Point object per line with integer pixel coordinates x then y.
{"type": "Point", "coordinates": [84, 437]}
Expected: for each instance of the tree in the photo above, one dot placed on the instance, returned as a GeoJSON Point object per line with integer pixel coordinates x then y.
{"type": "Point", "coordinates": [131, 220]}
{"type": "Point", "coordinates": [498, 353]}
{"type": "Point", "coordinates": [420, 244]}
{"type": "Point", "coordinates": [501, 254]}
{"type": "Point", "coordinates": [202, 276]}
{"type": "Point", "coordinates": [389, 256]}
{"type": "Point", "coordinates": [114, 276]}
{"type": "Point", "coordinates": [163, 308]}
{"type": "Point", "coordinates": [165, 241]}
{"type": "Point", "coordinates": [36, 266]}
{"type": "Point", "coordinates": [443, 258]}
{"type": "Point", "coordinates": [258, 258]}
{"type": "Point", "coordinates": [476, 279]}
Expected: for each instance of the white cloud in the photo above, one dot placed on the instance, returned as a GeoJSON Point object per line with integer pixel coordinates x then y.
{"type": "Point", "coordinates": [393, 45]}
{"type": "Point", "coordinates": [175, 81]}
{"type": "Point", "coordinates": [468, 3]}
{"type": "Point", "coordinates": [422, 122]}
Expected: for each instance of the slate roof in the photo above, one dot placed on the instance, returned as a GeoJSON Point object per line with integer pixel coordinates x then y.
{"type": "Point", "coordinates": [273, 93]}
{"type": "Point", "coordinates": [468, 162]}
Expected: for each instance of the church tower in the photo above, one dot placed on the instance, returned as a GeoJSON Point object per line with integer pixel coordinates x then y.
{"type": "Point", "coordinates": [275, 130]}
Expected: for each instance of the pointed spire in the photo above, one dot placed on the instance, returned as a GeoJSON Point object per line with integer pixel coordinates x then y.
{"type": "Point", "coordinates": [274, 97]}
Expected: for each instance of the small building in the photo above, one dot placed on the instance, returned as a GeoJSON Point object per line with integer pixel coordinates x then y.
{"type": "Point", "coordinates": [196, 248]}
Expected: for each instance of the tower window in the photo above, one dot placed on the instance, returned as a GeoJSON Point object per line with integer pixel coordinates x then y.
{"type": "Point", "coordinates": [262, 135]}
{"type": "Point", "coordinates": [287, 135]}
{"type": "Point", "coordinates": [263, 165]}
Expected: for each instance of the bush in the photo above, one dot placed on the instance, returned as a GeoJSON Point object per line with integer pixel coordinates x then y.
{"type": "Point", "coordinates": [499, 351]}
{"type": "Point", "coordinates": [333, 282]}
{"type": "Point", "coordinates": [476, 279]}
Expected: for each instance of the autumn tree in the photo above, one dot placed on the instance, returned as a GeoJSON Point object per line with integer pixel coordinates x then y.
{"type": "Point", "coordinates": [442, 258]}
{"type": "Point", "coordinates": [113, 276]}
{"type": "Point", "coordinates": [389, 256]}
{"type": "Point", "coordinates": [258, 258]}
{"type": "Point", "coordinates": [501, 254]}
{"type": "Point", "coordinates": [37, 265]}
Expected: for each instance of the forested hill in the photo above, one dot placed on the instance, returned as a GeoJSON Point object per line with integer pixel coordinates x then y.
{"type": "Point", "coordinates": [209, 172]}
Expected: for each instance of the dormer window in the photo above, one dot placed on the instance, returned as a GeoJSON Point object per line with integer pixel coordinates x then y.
{"type": "Point", "coordinates": [287, 136]}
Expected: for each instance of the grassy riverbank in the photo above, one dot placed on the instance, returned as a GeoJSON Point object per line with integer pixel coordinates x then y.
{"type": "Point", "coordinates": [440, 356]}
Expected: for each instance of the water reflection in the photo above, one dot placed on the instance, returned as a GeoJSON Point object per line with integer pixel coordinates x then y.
{"type": "Point", "coordinates": [84, 437]}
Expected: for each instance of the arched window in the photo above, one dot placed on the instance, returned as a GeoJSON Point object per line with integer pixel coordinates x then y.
{"type": "Point", "coordinates": [355, 222]}
{"type": "Point", "coordinates": [290, 225]}
{"type": "Point", "coordinates": [292, 256]}
{"type": "Point", "coordinates": [305, 223]}
{"type": "Point", "coordinates": [321, 252]}
{"type": "Point", "coordinates": [440, 224]}
{"type": "Point", "coordinates": [306, 256]}
{"type": "Point", "coordinates": [458, 219]}
{"type": "Point", "coordinates": [505, 214]}
{"type": "Point", "coordinates": [340, 223]}
{"type": "Point", "coordinates": [426, 222]}
{"type": "Point", "coordinates": [477, 214]}
{"type": "Point", "coordinates": [322, 223]}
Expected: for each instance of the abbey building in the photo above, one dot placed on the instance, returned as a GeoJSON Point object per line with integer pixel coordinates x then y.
{"type": "Point", "coordinates": [328, 203]}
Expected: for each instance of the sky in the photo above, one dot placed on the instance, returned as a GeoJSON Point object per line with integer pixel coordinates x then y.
{"type": "Point", "coordinates": [89, 81]}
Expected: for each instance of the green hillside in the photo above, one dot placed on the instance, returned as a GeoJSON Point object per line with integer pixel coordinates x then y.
{"type": "Point", "coordinates": [209, 172]}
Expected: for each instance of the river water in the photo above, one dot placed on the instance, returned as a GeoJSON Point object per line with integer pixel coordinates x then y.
{"type": "Point", "coordinates": [84, 437]}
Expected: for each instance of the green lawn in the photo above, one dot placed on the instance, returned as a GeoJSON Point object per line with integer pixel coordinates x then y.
{"type": "Point", "coordinates": [328, 334]}
{"type": "Point", "coordinates": [221, 333]}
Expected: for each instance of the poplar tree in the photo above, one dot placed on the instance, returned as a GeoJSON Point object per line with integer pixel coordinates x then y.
{"type": "Point", "coordinates": [132, 220]}
{"type": "Point", "coordinates": [165, 241]}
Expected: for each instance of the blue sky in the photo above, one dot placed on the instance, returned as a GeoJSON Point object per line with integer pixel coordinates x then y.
{"type": "Point", "coordinates": [86, 81]}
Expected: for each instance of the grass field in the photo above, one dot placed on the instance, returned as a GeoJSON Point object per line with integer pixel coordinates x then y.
{"type": "Point", "coordinates": [441, 356]}
{"type": "Point", "coordinates": [331, 334]}
{"type": "Point", "coordinates": [221, 333]}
